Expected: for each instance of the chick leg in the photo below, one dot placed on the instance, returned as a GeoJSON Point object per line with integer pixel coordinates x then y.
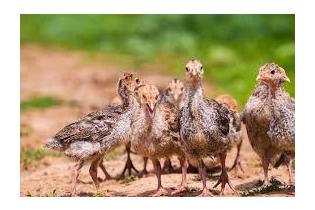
{"type": "Point", "coordinates": [93, 171]}
{"type": "Point", "coordinates": [76, 174]}
{"type": "Point", "coordinates": [265, 164]}
{"type": "Point", "coordinates": [129, 165]}
{"type": "Point", "coordinates": [237, 165]}
{"type": "Point", "coordinates": [183, 186]}
{"type": "Point", "coordinates": [145, 163]}
{"type": "Point", "coordinates": [203, 173]}
{"type": "Point", "coordinates": [167, 167]}
{"type": "Point", "coordinates": [224, 178]}
{"type": "Point", "coordinates": [107, 175]}
{"type": "Point", "coordinates": [160, 190]}
{"type": "Point", "coordinates": [288, 162]}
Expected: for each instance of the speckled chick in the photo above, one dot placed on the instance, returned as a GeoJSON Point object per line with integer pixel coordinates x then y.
{"type": "Point", "coordinates": [155, 130]}
{"type": "Point", "coordinates": [92, 136]}
{"type": "Point", "coordinates": [235, 132]}
{"type": "Point", "coordinates": [269, 116]}
{"type": "Point", "coordinates": [204, 125]}
{"type": "Point", "coordinates": [173, 94]}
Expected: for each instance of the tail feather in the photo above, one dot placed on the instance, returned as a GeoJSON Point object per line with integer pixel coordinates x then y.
{"type": "Point", "coordinates": [53, 144]}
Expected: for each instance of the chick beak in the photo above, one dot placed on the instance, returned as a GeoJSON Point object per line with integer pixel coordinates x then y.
{"type": "Point", "coordinates": [194, 72]}
{"type": "Point", "coordinates": [285, 78]}
{"type": "Point", "coordinates": [258, 78]}
{"type": "Point", "coordinates": [150, 106]}
{"type": "Point", "coordinates": [175, 97]}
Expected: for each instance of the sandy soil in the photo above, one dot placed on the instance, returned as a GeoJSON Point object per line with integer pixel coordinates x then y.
{"type": "Point", "coordinates": [85, 84]}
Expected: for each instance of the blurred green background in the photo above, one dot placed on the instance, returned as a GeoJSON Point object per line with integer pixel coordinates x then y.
{"type": "Point", "coordinates": [231, 47]}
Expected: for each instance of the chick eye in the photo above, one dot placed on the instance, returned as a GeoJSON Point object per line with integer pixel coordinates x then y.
{"type": "Point", "coordinates": [144, 96]}
{"type": "Point", "coordinates": [272, 72]}
{"type": "Point", "coordinates": [138, 81]}
{"type": "Point", "coordinates": [187, 69]}
{"type": "Point", "coordinates": [201, 68]}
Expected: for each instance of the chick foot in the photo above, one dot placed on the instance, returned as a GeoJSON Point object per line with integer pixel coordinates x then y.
{"type": "Point", "coordinates": [205, 193]}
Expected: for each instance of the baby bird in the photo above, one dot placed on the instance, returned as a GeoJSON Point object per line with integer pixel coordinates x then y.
{"type": "Point", "coordinates": [92, 136]}
{"type": "Point", "coordinates": [269, 116]}
{"type": "Point", "coordinates": [154, 131]}
{"type": "Point", "coordinates": [235, 127]}
{"type": "Point", "coordinates": [204, 126]}
{"type": "Point", "coordinates": [173, 94]}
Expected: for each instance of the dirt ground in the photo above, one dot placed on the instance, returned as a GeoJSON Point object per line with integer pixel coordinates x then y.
{"type": "Point", "coordinates": [85, 84]}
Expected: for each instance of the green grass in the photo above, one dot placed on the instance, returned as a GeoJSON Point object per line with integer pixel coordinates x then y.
{"type": "Point", "coordinates": [275, 186]}
{"type": "Point", "coordinates": [231, 47]}
{"type": "Point", "coordinates": [98, 194]}
{"type": "Point", "coordinates": [127, 180]}
{"type": "Point", "coordinates": [39, 103]}
{"type": "Point", "coordinates": [30, 156]}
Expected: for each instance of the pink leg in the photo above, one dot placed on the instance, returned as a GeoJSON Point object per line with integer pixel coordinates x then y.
{"type": "Point", "coordinates": [183, 186]}
{"type": "Point", "coordinates": [77, 169]}
{"type": "Point", "coordinates": [224, 178]}
{"type": "Point", "coordinates": [160, 190]}
{"type": "Point", "coordinates": [237, 165]}
{"type": "Point", "coordinates": [265, 164]}
{"type": "Point", "coordinates": [203, 173]}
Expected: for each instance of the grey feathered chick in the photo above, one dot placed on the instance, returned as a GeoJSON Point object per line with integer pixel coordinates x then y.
{"type": "Point", "coordinates": [204, 126]}
{"type": "Point", "coordinates": [269, 116]}
{"type": "Point", "coordinates": [92, 136]}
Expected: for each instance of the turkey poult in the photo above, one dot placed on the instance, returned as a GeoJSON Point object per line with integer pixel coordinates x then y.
{"type": "Point", "coordinates": [204, 126]}
{"type": "Point", "coordinates": [173, 94]}
{"type": "Point", "coordinates": [92, 136]}
{"type": "Point", "coordinates": [155, 132]}
{"type": "Point", "coordinates": [235, 127]}
{"type": "Point", "coordinates": [269, 116]}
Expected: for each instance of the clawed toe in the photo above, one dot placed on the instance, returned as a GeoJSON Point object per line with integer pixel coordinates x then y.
{"type": "Point", "coordinates": [223, 180]}
{"type": "Point", "coordinates": [180, 189]}
{"type": "Point", "coordinates": [160, 192]}
{"type": "Point", "coordinates": [205, 193]}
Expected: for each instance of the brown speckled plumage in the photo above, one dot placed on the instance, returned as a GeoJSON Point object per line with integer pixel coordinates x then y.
{"type": "Point", "coordinates": [269, 118]}
{"type": "Point", "coordinates": [235, 133]}
{"type": "Point", "coordinates": [155, 129]}
{"type": "Point", "coordinates": [204, 124]}
{"type": "Point", "coordinates": [92, 136]}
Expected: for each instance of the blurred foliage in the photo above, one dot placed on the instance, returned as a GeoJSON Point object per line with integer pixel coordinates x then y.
{"type": "Point", "coordinates": [31, 155]}
{"type": "Point", "coordinates": [127, 179]}
{"type": "Point", "coordinates": [231, 47]}
{"type": "Point", "coordinates": [39, 103]}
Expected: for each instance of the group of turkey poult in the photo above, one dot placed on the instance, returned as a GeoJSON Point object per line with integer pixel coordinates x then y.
{"type": "Point", "coordinates": [179, 121]}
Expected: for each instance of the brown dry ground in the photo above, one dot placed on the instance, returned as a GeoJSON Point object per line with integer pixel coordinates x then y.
{"type": "Point", "coordinates": [84, 83]}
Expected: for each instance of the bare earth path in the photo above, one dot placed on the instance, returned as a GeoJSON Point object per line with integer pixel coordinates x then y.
{"type": "Point", "coordinates": [84, 84]}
